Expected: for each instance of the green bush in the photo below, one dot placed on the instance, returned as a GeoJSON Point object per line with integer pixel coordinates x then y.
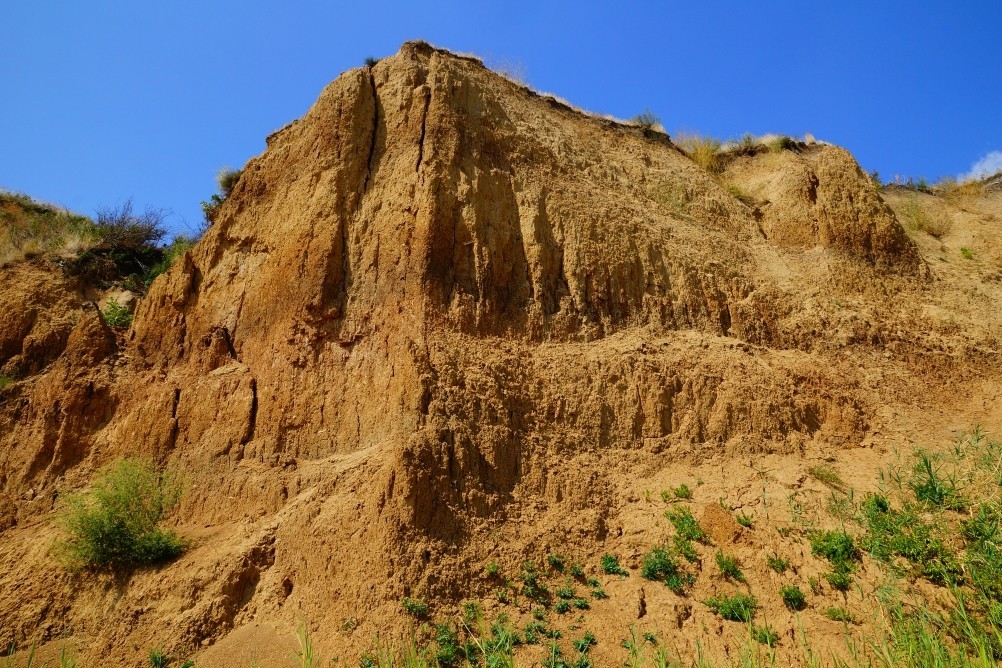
{"type": "Point", "coordinates": [414, 607]}
{"type": "Point", "coordinates": [118, 522]}
{"type": "Point", "coordinates": [729, 567]}
{"type": "Point", "coordinates": [116, 315]}
{"type": "Point", "coordinates": [765, 635]}
{"type": "Point", "coordinates": [736, 608]}
{"type": "Point", "coordinates": [838, 547]}
{"type": "Point", "coordinates": [686, 525]}
{"type": "Point", "coordinates": [793, 598]}
{"type": "Point", "coordinates": [610, 564]}
{"type": "Point", "coordinates": [777, 563]}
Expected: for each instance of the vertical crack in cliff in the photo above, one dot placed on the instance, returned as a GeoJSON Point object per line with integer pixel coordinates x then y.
{"type": "Point", "coordinates": [424, 125]}
{"type": "Point", "coordinates": [175, 427]}
{"type": "Point", "coordinates": [372, 136]}
{"type": "Point", "coordinates": [252, 418]}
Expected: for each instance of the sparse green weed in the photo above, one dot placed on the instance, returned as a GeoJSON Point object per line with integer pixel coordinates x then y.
{"type": "Point", "coordinates": [777, 563]}
{"type": "Point", "coordinates": [793, 598]}
{"type": "Point", "coordinates": [610, 565]}
{"type": "Point", "coordinates": [729, 567]}
{"type": "Point", "coordinates": [735, 608]}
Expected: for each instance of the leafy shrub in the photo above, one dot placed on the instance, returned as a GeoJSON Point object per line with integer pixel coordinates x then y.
{"type": "Point", "coordinates": [736, 608]}
{"type": "Point", "coordinates": [660, 565]}
{"type": "Point", "coordinates": [744, 520]}
{"type": "Point", "coordinates": [793, 598]}
{"type": "Point", "coordinates": [657, 564]}
{"type": "Point", "coordinates": [839, 580]}
{"type": "Point", "coordinates": [685, 549]}
{"type": "Point", "coordinates": [118, 522]}
{"type": "Point", "coordinates": [531, 585]}
{"type": "Point", "coordinates": [566, 592]}
{"type": "Point", "coordinates": [682, 492]}
{"type": "Point", "coordinates": [414, 607]}
{"type": "Point", "coordinates": [370, 61]}
{"type": "Point", "coordinates": [838, 547]}
{"type": "Point", "coordinates": [557, 561]}
{"type": "Point", "coordinates": [116, 315]}
{"type": "Point", "coordinates": [729, 567]}
{"type": "Point", "coordinates": [777, 563]}
{"type": "Point", "coordinates": [840, 615]}
{"type": "Point", "coordinates": [610, 564]}
{"type": "Point", "coordinates": [686, 525]}
{"type": "Point", "coordinates": [5, 382]}
{"type": "Point", "coordinates": [181, 244]}
{"type": "Point", "coordinates": [905, 533]}
{"type": "Point", "coordinates": [765, 635]}
{"type": "Point", "coordinates": [562, 607]}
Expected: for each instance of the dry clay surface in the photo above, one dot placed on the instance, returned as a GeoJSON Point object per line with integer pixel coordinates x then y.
{"type": "Point", "coordinates": [443, 321]}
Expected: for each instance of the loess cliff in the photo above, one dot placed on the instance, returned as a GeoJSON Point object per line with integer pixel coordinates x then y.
{"type": "Point", "coordinates": [444, 321]}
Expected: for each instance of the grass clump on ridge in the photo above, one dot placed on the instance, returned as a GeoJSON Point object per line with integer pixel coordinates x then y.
{"type": "Point", "coordinates": [29, 228]}
{"type": "Point", "coordinates": [118, 244]}
{"type": "Point", "coordinates": [704, 151]}
{"type": "Point", "coordinates": [226, 181]}
{"type": "Point", "coordinates": [648, 122]}
{"type": "Point", "coordinates": [118, 522]}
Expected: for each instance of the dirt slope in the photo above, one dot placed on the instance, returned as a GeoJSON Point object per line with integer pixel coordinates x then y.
{"type": "Point", "coordinates": [442, 321]}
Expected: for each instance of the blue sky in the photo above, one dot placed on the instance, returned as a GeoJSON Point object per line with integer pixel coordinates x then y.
{"type": "Point", "coordinates": [109, 100]}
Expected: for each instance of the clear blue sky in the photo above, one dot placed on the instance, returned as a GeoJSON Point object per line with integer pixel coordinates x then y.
{"type": "Point", "coordinates": [103, 101]}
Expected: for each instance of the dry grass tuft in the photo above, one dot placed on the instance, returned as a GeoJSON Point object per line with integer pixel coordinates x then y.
{"type": "Point", "coordinates": [952, 190]}
{"type": "Point", "coordinates": [704, 151]}
{"type": "Point", "coordinates": [29, 228]}
{"type": "Point", "coordinates": [919, 220]}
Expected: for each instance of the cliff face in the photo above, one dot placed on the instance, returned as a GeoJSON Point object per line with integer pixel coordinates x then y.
{"type": "Point", "coordinates": [440, 303]}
